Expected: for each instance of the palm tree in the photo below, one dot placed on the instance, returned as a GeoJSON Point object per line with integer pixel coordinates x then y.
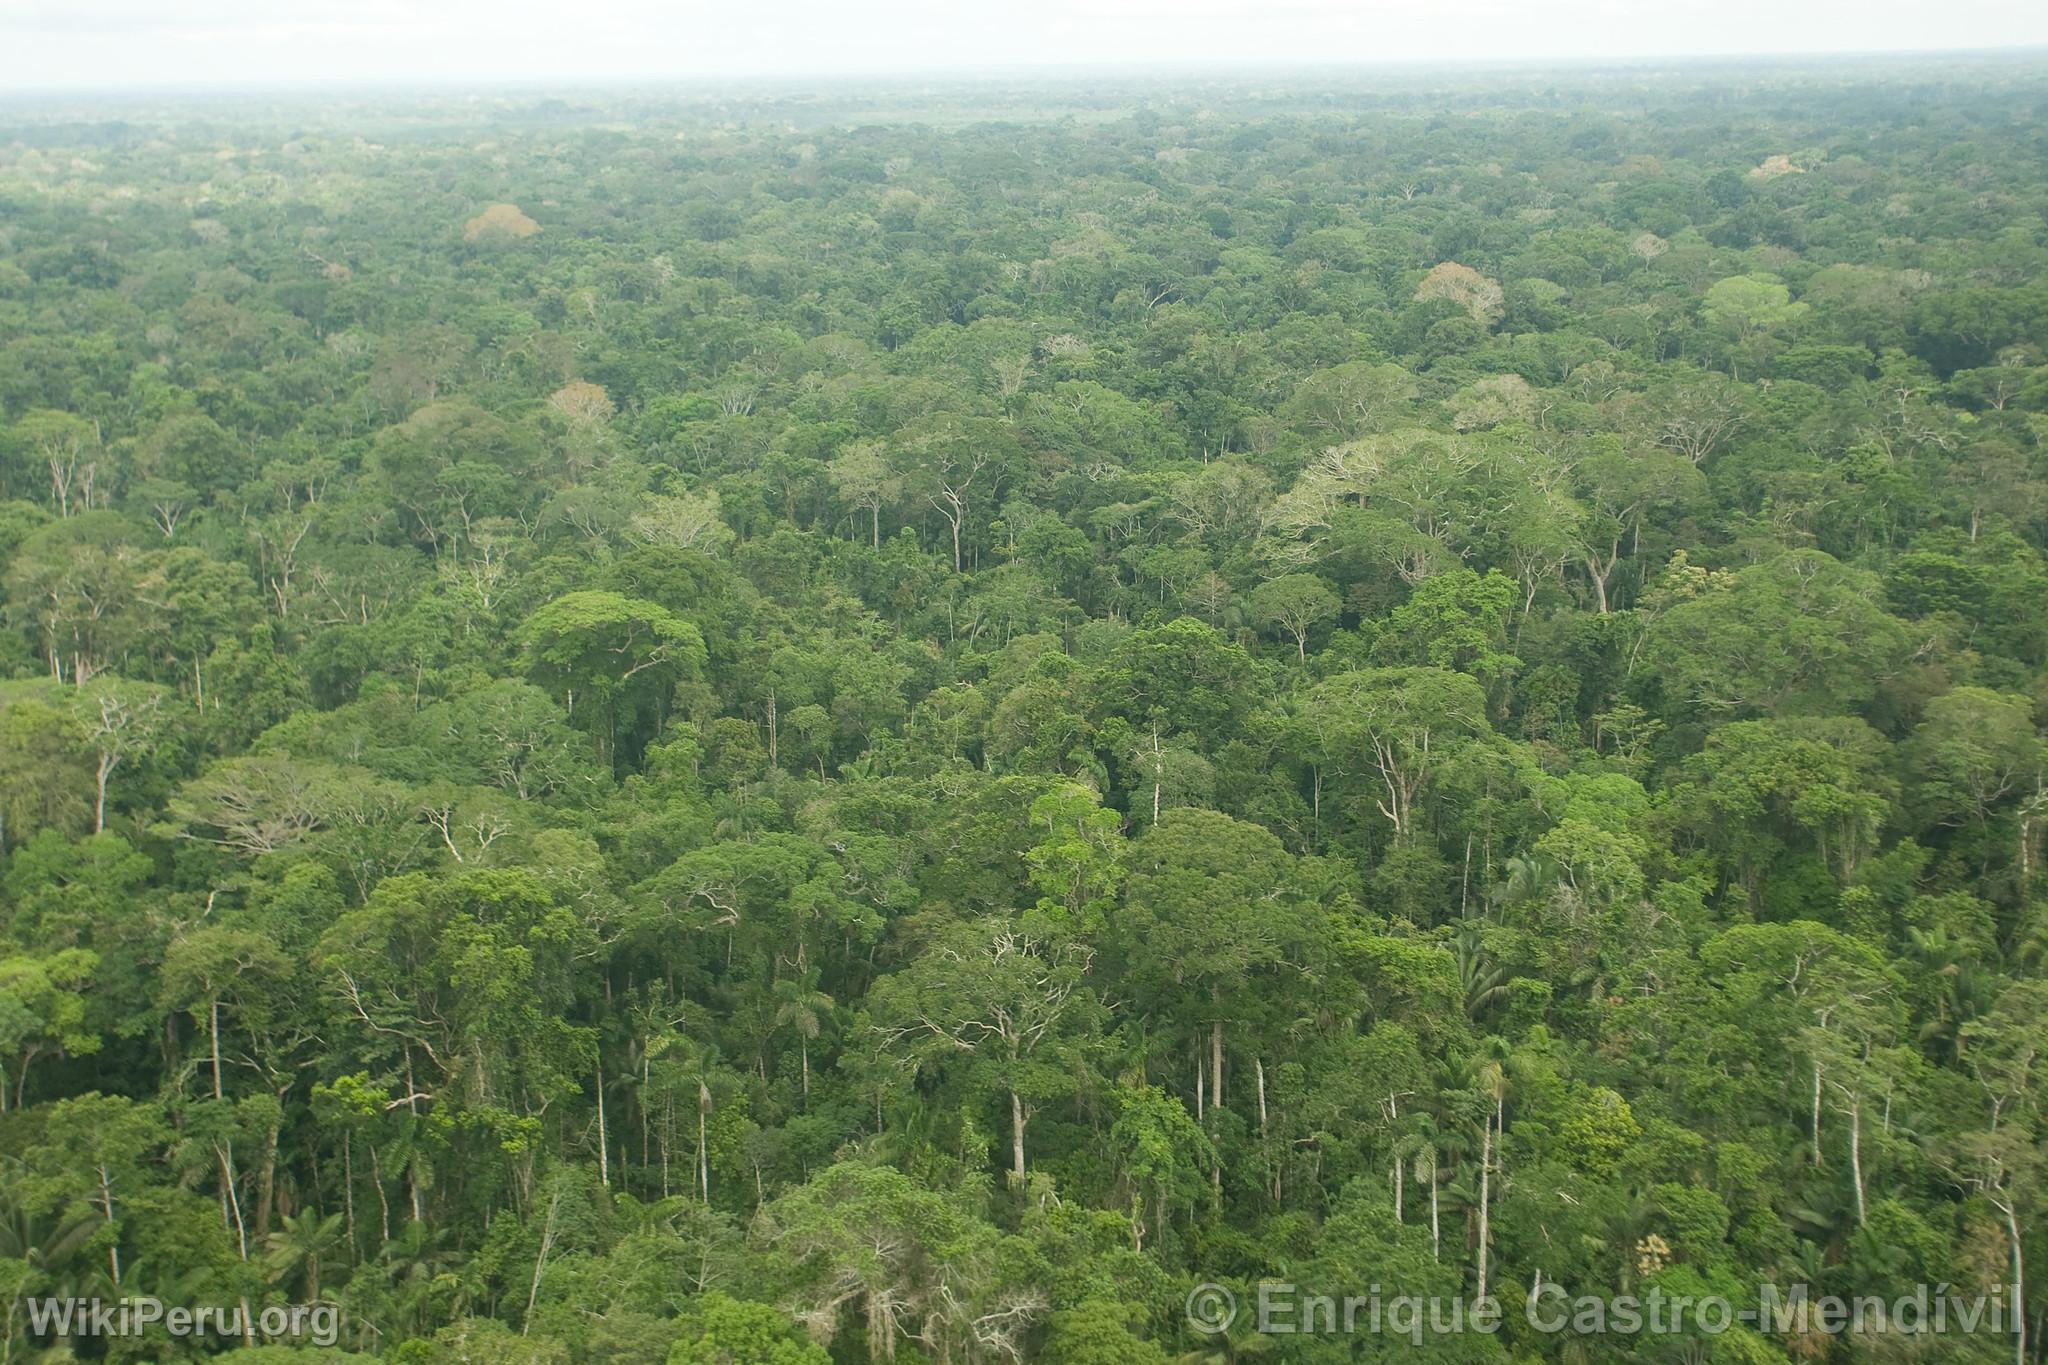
{"type": "Point", "coordinates": [1490, 1079]}
{"type": "Point", "coordinates": [1633, 1219]}
{"type": "Point", "coordinates": [1239, 1341]}
{"type": "Point", "coordinates": [1426, 1146]}
{"type": "Point", "coordinates": [300, 1244]}
{"type": "Point", "coordinates": [1483, 977]}
{"type": "Point", "coordinates": [1529, 877]}
{"type": "Point", "coordinates": [1961, 988]}
{"type": "Point", "coordinates": [2031, 946]}
{"type": "Point", "coordinates": [418, 1268]}
{"type": "Point", "coordinates": [41, 1243]}
{"type": "Point", "coordinates": [696, 1073]}
{"type": "Point", "coordinates": [800, 1005]}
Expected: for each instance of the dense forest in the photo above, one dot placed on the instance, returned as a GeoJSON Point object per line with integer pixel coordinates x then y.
{"type": "Point", "coordinates": [898, 725]}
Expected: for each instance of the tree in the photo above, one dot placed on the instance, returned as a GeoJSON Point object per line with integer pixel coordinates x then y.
{"type": "Point", "coordinates": [44, 784]}
{"type": "Point", "coordinates": [65, 448]}
{"type": "Point", "coordinates": [1006, 1000]}
{"type": "Point", "coordinates": [801, 1006]}
{"type": "Point", "coordinates": [1465, 287]}
{"type": "Point", "coordinates": [1099, 1332]}
{"type": "Point", "coordinates": [1210, 909]}
{"type": "Point", "coordinates": [459, 990]}
{"type": "Point", "coordinates": [1759, 786]}
{"type": "Point", "coordinates": [1162, 1154]}
{"type": "Point", "coordinates": [1974, 750]}
{"type": "Point", "coordinates": [451, 467]}
{"type": "Point", "coordinates": [867, 481]}
{"type": "Point", "coordinates": [956, 465]}
{"type": "Point", "coordinates": [1295, 603]}
{"type": "Point", "coordinates": [1410, 500]}
{"type": "Point", "coordinates": [1750, 308]}
{"type": "Point", "coordinates": [1185, 675]}
{"type": "Point", "coordinates": [1798, 633]}
{"type": "Point", "coordinates": [1795, 983]}
{"type": "Point", "coordinates": [511, 735]}
{"type": "Point", "coordinates": [74, 587]}
{"type": "Point", "coordinates": [1748, 304]}
{"type": "Point", "coordinates": [42, 1013]}
{"type": "Point", "coordinates": [1395, 729]}
{"type": "Point", "coordinates": [1352, 400]}
{"type": "Point", "coordinates": [719, 1330]}
{"type": "Point", "coordinates": [1695, 417]}
{"type": "Point", "coordinates": [301, 1246]}
{"type": "Point", "coordinates": [215, 968]}
{"type": "Point", "coordinates": [626, 656]}
{"type": "Point", "coordinates": [123, 722]}
{"type": "Point", "coordinates": [1620, 492]}
{"type": "Point", "coordinates": [257, 805]}
{"type": "Point", "coordinates": [499, 223]}
{"type": "Point", "coordinates": [688, 522]}
{"type": "Point", "coordinates": [908, 1260]}
{"type": "Point", "coordinates": [1455, 620]}
{"type": "Point", "coordinates": [96, 1161]}
{"type": "Point", "coordinates": [2003, 1163]}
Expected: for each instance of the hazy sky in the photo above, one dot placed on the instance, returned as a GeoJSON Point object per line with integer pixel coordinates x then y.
{"type": "Point", "coordinates": [88, 43]}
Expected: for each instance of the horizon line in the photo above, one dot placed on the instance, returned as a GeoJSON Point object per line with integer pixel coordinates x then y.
{"type": "Point", "coordinates": [1050, 73]}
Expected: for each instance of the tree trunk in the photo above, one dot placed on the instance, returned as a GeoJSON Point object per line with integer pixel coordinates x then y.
{"type": "Point", "coordinates": [213, 1028]}
{"type": "Point", "coordinates": [1856, 1155]}
{"type": "Point", "coordinates": [703, 1146]}
{"type": "Point", "coordinates": [1435, 1228]}
{"type": "Point", "coordinates": [348, 1192]}
{"type": "Point", "coordinates": [99, 805]}
{"type": "Point", "coordinates": [547, 1244]}
{"type": "Point", "coordinates": [412, 1169]}
{"type": "Point", "coordinates": [2026, 850]}
{"type": "Point", "coordinates": [107, 1214]}
{"type": "Point", "coordinates": [266, 1183]}
{"type": "Point", "coordinates": [226, 1153]}
{"type": "Point", "coordinates": [1485, 1174]}
{"type": "Point", "coordinates": [604, 1170]}
{"type": "Point", "coordinates": [1265, 1138]}
{"type": "Point", "coordinates": [1394, 1116]}
{"type": "Point", "coordinates": [1216, 1051]}
{"type": "Point", "coordinates": [668, 1130]}
{"type": "Point", "coordinates": [2010, 1209]}
{"type": "Point", "coordinates": [1018, 1118]}
{"type": "Point", "coordinates": [383, 1203]}
{"type": "Point", "coordinates": [1816, 1115]}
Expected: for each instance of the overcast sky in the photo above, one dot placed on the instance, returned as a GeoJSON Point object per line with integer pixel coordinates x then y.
{"type": "Point", "coordinates": [129, 43]}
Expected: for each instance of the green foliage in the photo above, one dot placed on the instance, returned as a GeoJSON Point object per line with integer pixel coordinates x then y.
{"type": "Point", "coordinates": [881, 727]}
{"type": "Point", "coordinates": [717, 1330]}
